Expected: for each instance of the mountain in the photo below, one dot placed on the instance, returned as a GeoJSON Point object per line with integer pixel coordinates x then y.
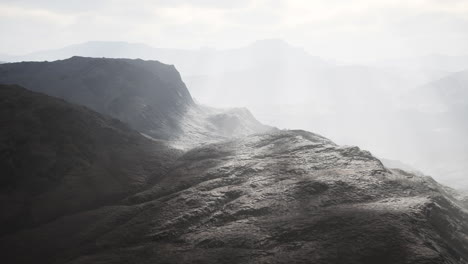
{"type": "Point", "coordinates": [148, 95]}
{"type": "Point", "coordinates": [281, 197]}
{"type": "Point", "coordinates": [444, 94]}
{"type": "Point", "coordinates": [137, 89]}
{"type": "Point", "coordinates": [58, 159]}
{"type": "Point", "coordinates": [325, 90]}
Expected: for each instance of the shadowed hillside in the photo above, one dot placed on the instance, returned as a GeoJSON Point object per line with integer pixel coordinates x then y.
{"type": "Point", "coordinates": [283, 197]}
{"type": "Point", "coordinates": [58, 159]}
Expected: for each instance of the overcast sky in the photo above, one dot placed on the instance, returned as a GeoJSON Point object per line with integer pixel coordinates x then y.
{"type": "Point", "coordinates": [349, 30]}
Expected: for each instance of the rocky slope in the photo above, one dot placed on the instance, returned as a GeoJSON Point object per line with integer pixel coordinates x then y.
{"type": "Point", "coordinates": [281, 197]}
{"type": "Point", "coordinates": [148, 95]}
{"type": "Point", "coordinates": [58, 159]}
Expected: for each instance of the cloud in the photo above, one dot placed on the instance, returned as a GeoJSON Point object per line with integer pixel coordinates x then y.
{"type": "Point", "coordinates": [34, 14]}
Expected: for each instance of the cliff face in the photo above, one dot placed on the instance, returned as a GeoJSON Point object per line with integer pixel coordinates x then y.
{"type": "Point", "coordinates": [58, 159]}
{"type": "Point", "coordinates": [148, 95]}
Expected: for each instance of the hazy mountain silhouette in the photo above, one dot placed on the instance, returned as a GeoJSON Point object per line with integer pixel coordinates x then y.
{"type": "Point", "coordinates": [445, 94]}
{"type": "Point", "coordinates": [440, 110]}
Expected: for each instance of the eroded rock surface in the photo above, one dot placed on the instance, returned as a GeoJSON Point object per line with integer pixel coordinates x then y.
{"type": "Point", "coordinates": [283, 197]}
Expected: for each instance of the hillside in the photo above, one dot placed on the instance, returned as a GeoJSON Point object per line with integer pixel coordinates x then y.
{"type": "Point", "coordinates": [58, 159]}
{"type": "Point", "coordinates": [283, 197]}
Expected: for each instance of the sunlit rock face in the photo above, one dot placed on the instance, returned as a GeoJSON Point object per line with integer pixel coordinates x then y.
{"type": "Point", "coordinates": [148, 95]}
{"type": "Point", "coordinates": [280, 197]}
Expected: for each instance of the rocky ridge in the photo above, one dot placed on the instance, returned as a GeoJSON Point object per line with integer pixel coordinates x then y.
{"type": "Point", "coordinates": [148, 95]}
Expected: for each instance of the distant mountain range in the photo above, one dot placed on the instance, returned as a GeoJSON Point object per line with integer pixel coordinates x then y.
{"type": "Point", "coordinates": [445, 94]}
{"type": "Point", "coordinates": [440, 110]}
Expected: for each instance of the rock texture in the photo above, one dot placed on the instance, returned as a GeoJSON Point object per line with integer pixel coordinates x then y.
{"type": "Point", "coordinates": [283, 197]}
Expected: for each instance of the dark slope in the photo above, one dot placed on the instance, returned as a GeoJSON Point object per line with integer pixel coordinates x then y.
{"type": "Point", "coordinates": [148, 95]}
{"type": "Point", "coordinates": [285, 197]}
{"type": "Point", "coordinates": [57, 158]}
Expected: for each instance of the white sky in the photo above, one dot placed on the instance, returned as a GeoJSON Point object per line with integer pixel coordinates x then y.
{"type": "Point", "coordinates": [349, 30]}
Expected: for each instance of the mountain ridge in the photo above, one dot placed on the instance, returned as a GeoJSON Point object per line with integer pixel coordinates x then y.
{"type": "Point", "coordinates": [148, 95]}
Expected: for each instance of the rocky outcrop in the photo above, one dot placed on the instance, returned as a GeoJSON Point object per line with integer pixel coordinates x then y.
{"type": "Point", "coordinates": [283, 197]}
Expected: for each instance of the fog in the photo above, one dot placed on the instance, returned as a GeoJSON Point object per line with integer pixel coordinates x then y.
{"type": "Point", "coordinates": [411, 110]}
{"type": "Point", "coordinates": [388, 76]}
